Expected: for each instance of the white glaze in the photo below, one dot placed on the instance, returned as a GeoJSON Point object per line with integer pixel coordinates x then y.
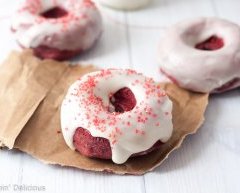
{"type": "Point", "coordinates": [199, 70]}
{"type": "Point", "coordinates": [77, 31]}
{"type": "Point", "coordinates": [78, 111]}
{"type": "Point", "coordinates": [125, 4]}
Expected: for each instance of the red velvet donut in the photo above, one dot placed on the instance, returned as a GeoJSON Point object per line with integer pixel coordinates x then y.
{"type": "Point", "coordinates": [57, 29]}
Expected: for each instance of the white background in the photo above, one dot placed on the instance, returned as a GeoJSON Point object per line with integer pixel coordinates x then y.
{"type": "Point", "coordinates": [208, 161]}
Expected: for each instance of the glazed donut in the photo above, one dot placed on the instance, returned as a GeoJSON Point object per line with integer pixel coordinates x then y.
{"type": "Point", "coordinates": [57, 29]}
{"type": "Point", "coordinates": [125, 4]}
{"type": "Point", "coordinates": [115, 114]}
{"type": "Point", "coordinates": [202, 55]}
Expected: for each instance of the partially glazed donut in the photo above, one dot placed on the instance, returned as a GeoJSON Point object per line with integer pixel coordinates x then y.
{"type": "Point", "coordinates": [125, 112]}
{"type": "Point", "coordinates": [202, 54]}
{"type": "Point", "coordinates": [57, 29]}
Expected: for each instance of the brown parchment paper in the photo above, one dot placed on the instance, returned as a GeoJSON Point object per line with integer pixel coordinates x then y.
{"type": "Point", "coordinates": [24, 83]}
{"type": "Point", "coordinates": [41, 136]}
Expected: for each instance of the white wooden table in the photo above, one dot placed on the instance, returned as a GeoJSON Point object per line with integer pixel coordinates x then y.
{"type": "Point", "coordinates": [208, 161]}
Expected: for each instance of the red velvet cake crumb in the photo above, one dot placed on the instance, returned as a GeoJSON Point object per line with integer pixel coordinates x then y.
{"type": "Point", "coordinates": [91, 146]}
{"type": "Point", "coordinates": [123, 100]}
{"type": "Point", "coordinates": [45, 52]}
{"type": "Point", "coordinates": [229, 85]}
{"type": "Point", "coordinates": [212, 43]}
{"type": "Point", "coordinates": [54, 13]}
{"type": "Point", "coordinates": [98, 147]}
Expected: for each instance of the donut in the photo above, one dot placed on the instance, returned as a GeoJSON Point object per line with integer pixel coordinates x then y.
{"type": "Point", "coordinates": [57, 29]}
{"type": "Point", "coordinates": [125, 4]}
{"type": "Point", "coordinates": [115, 114]}
{"type": "Point", "coordinates": [202, 55]}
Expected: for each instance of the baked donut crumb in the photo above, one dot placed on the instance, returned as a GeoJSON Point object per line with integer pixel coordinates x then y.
{"type": "Point", "coordinates": [54, 13]}
{"type": "Point", "coordinates": [211, 44]}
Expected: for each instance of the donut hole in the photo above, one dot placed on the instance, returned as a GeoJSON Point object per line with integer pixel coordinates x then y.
{"type": "Point", "coordinates": [123, 100]}
{"type": "Point", "coordinates": [54, 13]}
{"type": "Point", "coordinates": [210, 44]}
